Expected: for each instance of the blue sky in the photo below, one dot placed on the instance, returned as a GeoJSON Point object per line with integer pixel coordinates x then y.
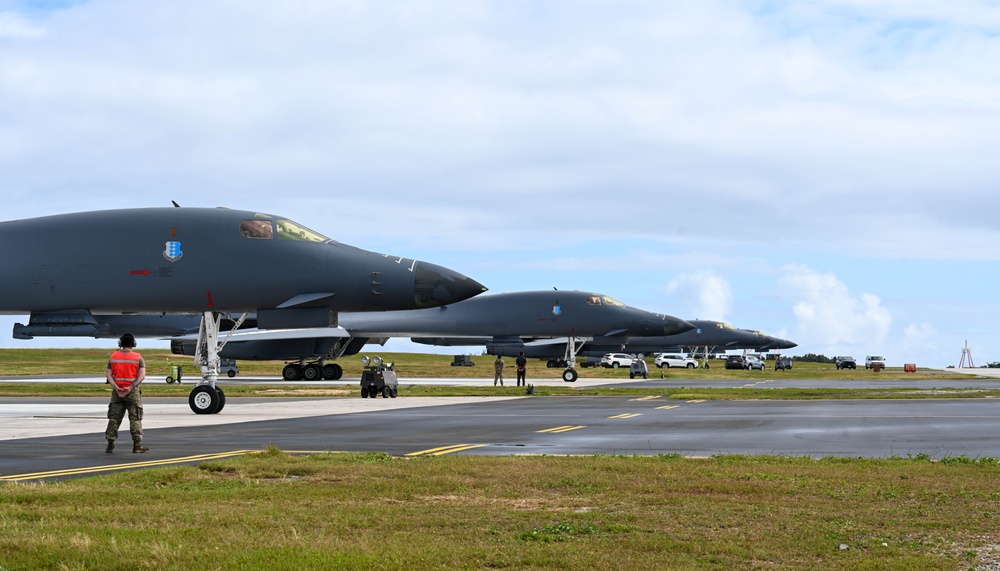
{"type": "Point", "coordinates": [824, 171]}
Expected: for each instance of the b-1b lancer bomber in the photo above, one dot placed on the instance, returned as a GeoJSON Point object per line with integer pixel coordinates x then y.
{"type": "Point", "coordinates": [63, 269]}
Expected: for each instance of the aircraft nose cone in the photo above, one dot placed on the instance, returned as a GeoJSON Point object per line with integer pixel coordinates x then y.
{"type": "Point", "coordinates": [673, 325]}
{"type": "Point", "coordinates": [435, 285]}
{"type": "Point", "coordinates": [785, 344]}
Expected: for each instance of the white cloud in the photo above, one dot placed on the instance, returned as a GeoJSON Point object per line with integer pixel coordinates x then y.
{"type": "Point", "coordinates": [830, 316]}
{"type": "Point", "coordinates": [13, 26]}
{"type": "Point", "coordinates": [708, 295]}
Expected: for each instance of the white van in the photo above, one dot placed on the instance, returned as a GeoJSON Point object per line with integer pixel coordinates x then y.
{"type": "Point", "coordinates": [872, 360]}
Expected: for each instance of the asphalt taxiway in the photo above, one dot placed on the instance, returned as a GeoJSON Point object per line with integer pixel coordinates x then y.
{"type": "Point", "coordinates": [51, 438]}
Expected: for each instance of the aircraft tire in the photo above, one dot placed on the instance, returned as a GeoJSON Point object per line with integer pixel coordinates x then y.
{"type": "Point", "coordinates": [222, 400]}
{"type": "Point", "coordinates": [204, 400]}
{"type": "Point", "coordinates": [332, 372]}
{"type": "Point", "coordinates": [312, 372]}
{"type": "Point", "coordinates": [291, 372]}
{"type": "Point", "coordinates": [570, 375]}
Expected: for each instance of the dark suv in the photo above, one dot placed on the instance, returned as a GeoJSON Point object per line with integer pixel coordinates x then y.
{"type": "Point", "coordinates": [736, 362]}
{"type": "Point", "coordinates": [844, 362]}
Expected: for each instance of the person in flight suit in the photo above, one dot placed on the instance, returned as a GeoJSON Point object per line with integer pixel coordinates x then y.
{"type": "Point", "coordinates": [126, 371]}
{"type": "Point", "coordinates": [498, 371]}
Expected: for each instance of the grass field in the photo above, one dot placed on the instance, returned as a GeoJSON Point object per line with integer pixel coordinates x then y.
{"type": "Point", "coordinates": [22, 362]}
{"type": "Point", "coordinates": [371, 511]}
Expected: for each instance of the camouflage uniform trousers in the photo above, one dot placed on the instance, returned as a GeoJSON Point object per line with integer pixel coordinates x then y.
{"type": "Point", "coordinates": [132, 404]}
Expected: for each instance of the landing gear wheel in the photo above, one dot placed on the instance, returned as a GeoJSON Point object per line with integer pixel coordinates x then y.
{"type": "Point", "coordinates": [222, 400]}
{"type": "Point", "coordinates": [205, 400]}
{"type": "Point", "coordinates": [291, 372]}
{"type": "Point", "coordinates": [312, 372]}
{"type": "Point", "coordinates": [551, 364]}
{"type": "Point", "coordinates": [570, 375]}
{"type": "Point", "coordinates": [333, 372]}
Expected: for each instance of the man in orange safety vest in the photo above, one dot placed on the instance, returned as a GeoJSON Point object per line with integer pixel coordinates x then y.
{"type": "Point", "coordinates": [126, 370]}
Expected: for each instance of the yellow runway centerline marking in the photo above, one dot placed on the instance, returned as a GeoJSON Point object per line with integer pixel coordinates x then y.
{"type": "Point", "coordinates": [561, 429]}
{"type": "Point", "coordinates": [116, 467]}
{"type": "Point", "coordinates": [696, 401]}
{"type": "Point", "coordinates": [442, 450]}
{"type": "Point", "coordinates": [626, 415]}
{"type": "Point", "coordinates": [667, 407]}
{"type": "Point", "coordinates": [651, 397]}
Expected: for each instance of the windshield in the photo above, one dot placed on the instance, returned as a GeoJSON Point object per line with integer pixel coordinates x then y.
{"type": "Point", "coordinates": [289, 230]}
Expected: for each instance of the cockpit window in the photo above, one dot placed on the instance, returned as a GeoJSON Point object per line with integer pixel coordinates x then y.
{"type": "Point", "coordinates": [722, 325]}
{"type": "Point", "coordinates": [257, 228]}
{"type": "Point", "coordinates": [289, 230]}
{"type": "Point", "coordinates": [596, 299]}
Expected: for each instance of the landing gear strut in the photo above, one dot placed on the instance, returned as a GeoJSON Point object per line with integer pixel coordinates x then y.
{"type": "Point", "coordinates": [206, 398]}
{"type": "Point", "coordinates": [570, 375]}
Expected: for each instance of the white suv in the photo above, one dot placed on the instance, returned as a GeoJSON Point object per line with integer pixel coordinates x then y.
{"type": "Point", "coordinates": [615, 360]}
{"type": "Point", "coordinates": [755, 363]}
{"type": "Point", "coordinates": [872, 360]}
{"type": "Point", "coordinates": [667, 360]}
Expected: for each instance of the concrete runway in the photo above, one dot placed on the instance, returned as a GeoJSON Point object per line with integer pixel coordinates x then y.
{"type": "Point", "coordinates": [55, 438]}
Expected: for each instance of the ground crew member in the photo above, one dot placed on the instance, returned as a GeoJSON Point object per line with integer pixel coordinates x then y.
{"type": "Point", "coordinates": [498, 371]}
{"type": "Point", "coordinates": [521, 364]}
{"type": "Point", "coordinates": [126, 371]}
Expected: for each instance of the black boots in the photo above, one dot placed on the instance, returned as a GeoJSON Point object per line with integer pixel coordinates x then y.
{"type": "Point", "coordinates": [137, 447]}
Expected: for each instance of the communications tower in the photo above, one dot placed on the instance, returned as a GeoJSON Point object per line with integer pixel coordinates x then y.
{"type": "Point", "coordinates": [966, 357]}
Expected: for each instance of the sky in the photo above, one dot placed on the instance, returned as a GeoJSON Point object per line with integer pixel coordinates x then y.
{"type": "Point", "coordinates": [824, 171]}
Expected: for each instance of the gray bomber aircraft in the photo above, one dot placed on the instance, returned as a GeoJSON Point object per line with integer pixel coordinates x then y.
{"type": "Point", "coordinates": [64, 269]}
{"type": "Point", "coordinates": [508, 318]}
{"type": "Point", "coordinates": [708, 336]}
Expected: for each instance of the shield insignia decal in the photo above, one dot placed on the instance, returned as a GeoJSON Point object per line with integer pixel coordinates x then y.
{"type": "Point", "coordinates": [556, 310]}
{"type": "Point", "coordinates": [173, 251]}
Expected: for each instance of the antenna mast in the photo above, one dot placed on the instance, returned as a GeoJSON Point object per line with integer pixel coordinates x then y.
{"type": "Point", "coordinates": [966, 361]}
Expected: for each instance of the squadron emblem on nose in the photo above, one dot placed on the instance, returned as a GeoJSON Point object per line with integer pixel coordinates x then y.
{"type": "Point", "coordinates": [173, 251]}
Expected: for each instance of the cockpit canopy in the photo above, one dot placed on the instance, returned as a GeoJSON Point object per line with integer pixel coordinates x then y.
{"type": "Point", "coordinates": [266, 227]}
{"type": "Point", "coordinates": [597, 299]}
